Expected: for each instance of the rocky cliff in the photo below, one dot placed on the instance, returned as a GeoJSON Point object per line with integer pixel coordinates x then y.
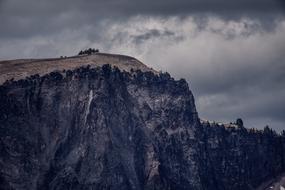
{"type": "Point", "coordinates": [119, 126]}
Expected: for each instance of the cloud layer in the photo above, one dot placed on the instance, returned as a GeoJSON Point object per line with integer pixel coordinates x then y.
{"type": "Point", "coordinates": [231, 52]}
{"type": "Point", "coordinates": [234, 68]}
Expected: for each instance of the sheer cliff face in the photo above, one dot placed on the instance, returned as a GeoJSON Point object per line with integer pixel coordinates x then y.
{"type": "Point", "coordinates": [98, 128]}
{"type": "Point", "coordinates": [101, 128]}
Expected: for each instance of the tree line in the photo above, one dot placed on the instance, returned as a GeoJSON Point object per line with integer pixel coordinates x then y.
{"type": "Point", "coordinates": [89, 51]}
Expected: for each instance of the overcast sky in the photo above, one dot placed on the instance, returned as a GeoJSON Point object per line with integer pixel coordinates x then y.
{"type": "Point", "coordinates": [231, 52]}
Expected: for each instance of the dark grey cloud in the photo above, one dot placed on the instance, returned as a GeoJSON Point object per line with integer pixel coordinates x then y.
{"type": "Point", "coordinates": [231, 52]}
{"type": "Point", "coordinates": [32, 17]}
{"type": "Point", "coordinates": [153, 33]}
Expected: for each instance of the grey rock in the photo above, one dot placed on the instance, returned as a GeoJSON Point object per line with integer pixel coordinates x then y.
{"type": "Point", "coordinates": [103, 128]}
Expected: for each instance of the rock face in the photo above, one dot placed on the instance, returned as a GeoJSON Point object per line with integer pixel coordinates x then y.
{"type": "Point", "coordinates": [105, 128]}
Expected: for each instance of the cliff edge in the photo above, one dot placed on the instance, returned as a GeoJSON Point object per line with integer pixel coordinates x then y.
{"type": "Point", "coordinates": [109, 122]}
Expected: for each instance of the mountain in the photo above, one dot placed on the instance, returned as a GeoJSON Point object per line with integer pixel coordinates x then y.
{"type": "Point", "coordinates": [108, 121]}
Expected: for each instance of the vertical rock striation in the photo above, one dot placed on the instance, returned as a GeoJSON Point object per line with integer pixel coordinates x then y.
{"type": "Point", "coordinates": [98, 128]}
{"type": "Point", "coordinates": [103, 128]}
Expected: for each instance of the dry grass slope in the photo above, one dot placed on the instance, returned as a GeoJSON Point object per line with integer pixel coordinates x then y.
{"type": "Point", "coordinates": [21, 68]}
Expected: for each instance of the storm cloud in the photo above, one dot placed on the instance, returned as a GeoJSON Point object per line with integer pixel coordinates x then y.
{"type": "Point", "coordinates": [231, 52]}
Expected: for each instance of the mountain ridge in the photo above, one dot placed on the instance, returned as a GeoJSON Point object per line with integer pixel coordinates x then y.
{"type": "Point", "coordinates": [21, 68]}
{"type": "Point", "coordinates": [103, 128]}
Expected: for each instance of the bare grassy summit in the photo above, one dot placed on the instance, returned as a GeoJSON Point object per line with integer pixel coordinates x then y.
{"type": "Point", "coordinates": [21, 68]}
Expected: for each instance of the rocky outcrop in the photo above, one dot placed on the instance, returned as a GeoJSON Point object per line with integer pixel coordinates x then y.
{"type": "Point", "coordinates": [105, 128]}
{"type": "Point", "coordinates": [98, 128]}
